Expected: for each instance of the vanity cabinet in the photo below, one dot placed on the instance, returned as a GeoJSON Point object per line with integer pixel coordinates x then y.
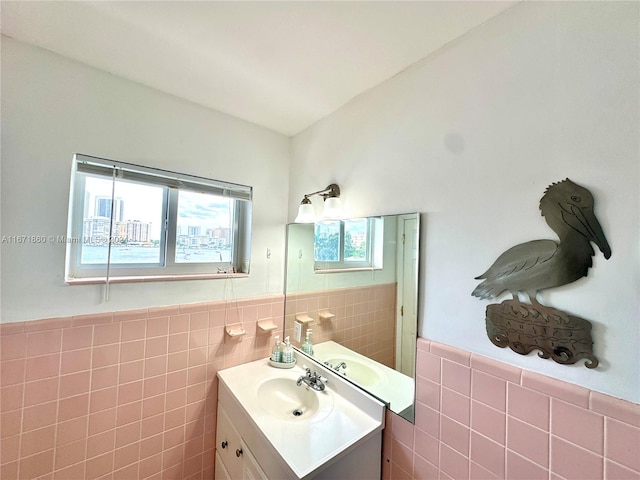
{"type": "Point", "coordinates": [337, 433]}
{"type": "Point", "coordinates": [234, 459]}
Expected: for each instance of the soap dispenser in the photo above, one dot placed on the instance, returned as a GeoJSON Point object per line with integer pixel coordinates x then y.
{"type": "Point", "coordinates": [276, 353]}
{"type": "Point", "coordinates": [307, 346]}
{"type": "Point", "coordinates": [287, 354]}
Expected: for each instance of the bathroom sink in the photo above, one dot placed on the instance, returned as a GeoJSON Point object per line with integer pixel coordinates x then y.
{"type": "Point", "coordinates": [356, 370]}
{"type": "Point", "coordinates": [309, 429]}
{"type": "Point", "coordinates": [283, 399]}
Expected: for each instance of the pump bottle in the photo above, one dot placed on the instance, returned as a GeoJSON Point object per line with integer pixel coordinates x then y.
{"type": "Point", "coordinates": [276, 353]}
{"type": "Point", "coordinates": [307, 346]}
{"type": "Point", "coordinates": [287, 354]}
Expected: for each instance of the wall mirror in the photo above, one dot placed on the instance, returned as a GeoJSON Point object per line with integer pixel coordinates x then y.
{"type": "Point", "coordinates": [354, 284]}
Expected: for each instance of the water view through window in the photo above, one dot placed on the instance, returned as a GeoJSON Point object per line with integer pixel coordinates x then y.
{"type": "Point", "coordinates": [134, 234]}
{"type": "Point", "coordinates": [203, 231]}
{"type": "Point", "coordinates": [131, 222]}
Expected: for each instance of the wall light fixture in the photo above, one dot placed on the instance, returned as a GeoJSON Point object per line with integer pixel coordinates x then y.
{"type": "Point", "coordinates": [332, 205]}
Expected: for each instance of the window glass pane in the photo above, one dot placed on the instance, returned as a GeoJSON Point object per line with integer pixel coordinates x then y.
{"type": "Point", "coordinates": [154, 223]}
{"type": "Point", "coordinates": [137, 220]}
{"type": "Point", "coordinates": [355, 240]}
{"type": "Point", "coordinates": [203, 228]}
{"type": "Point", "coordinates": [326, 245]}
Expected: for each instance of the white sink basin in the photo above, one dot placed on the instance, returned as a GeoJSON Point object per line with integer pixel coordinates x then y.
{"type": "Point", "coordinates": [356, 370]}
{"type": "Point", "coordinates": [283, 399]}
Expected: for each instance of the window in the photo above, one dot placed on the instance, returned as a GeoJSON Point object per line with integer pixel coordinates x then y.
{"type": "Point", "coordinates": [348, 244]}
{"type": "Point", "coordinates": [128, 222]}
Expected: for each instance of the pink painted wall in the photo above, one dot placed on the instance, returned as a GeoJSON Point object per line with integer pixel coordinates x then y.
{"type": "Point", "coordinates": [129, 395]}
{"type": "Point", "coordinates": [477, 418]}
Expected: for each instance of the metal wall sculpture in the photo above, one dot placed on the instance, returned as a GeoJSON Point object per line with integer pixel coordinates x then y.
{"type": "Point", "coordinates": [542, 264]}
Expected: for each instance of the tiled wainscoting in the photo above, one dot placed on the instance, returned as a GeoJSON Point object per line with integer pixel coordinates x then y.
{"type": "Point", "coordinates": [129, 395]}
{"type": "Point", "coordinates": [132, 395]}
{"type": "Point", "coordinates": [364, 318]}
{"type": "Point", "coordinates": [477, 418]}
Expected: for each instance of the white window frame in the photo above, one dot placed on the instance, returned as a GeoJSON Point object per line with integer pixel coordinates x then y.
{"type": "Point", "coordinates": [172, 183]}
{"type": "Point", "coordinates": [374, 261]}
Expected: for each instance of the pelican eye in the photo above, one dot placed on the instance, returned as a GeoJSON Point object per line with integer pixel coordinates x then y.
{"type": "Point", "coordinates": [576, 198]}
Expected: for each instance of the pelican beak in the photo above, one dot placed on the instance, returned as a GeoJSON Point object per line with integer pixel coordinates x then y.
{"type": "Point", "coordinates": [585, 222]}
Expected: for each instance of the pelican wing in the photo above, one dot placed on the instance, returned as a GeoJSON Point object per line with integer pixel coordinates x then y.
{"type": "Point", "coordinates": [515, 262]}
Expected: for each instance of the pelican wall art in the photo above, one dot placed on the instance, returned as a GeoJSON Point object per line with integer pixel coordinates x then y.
{"type": "Point", "coordinates": [541, 264]}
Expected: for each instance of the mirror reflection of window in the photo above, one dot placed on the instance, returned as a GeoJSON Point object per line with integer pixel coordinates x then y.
{"type": "Point", "coordinates": [327, 241]}
{"type": "Point", "coordinates": [356, 240]}
{"type": "Point", "coordinates": [351, 244]}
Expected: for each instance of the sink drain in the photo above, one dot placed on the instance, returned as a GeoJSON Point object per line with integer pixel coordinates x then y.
{"type": "Point", "coordinates": [297, 412]}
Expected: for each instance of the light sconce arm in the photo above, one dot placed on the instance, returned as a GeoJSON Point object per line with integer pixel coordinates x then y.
{"type": "Point", "coordinates": [332, 190]}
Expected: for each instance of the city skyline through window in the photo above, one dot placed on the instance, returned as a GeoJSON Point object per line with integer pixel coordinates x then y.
{"type": "Point", "coordinates": [137, 219]}
{"type": "Point", "coordinates": [203, 231]}
{"type": "Point", "coordinates": [203, 228]}
{"type": "Point", "coordinates": [131, 221]}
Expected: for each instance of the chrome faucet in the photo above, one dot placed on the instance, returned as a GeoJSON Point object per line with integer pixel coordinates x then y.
{"type": "Point", "coordinates": [314, 381]}
{"type": "Point", "coordinates": [339, 366]}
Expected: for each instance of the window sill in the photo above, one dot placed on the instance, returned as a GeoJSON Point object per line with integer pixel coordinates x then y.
{"type": "Point", "coordinates": [152, 278]}
{"type": "Point", "coordinates": [345, 270]}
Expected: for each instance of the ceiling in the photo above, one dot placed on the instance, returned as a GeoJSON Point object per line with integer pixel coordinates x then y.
{"type": "Point", "coordinates": [282, 65]}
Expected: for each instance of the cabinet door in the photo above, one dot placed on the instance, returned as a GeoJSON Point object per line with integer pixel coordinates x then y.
{"type": "Point", "coordinates": [228, 445]}
{"type": "Point", "coordinates": [221, 471]}
{"type": "Point", "coordinates": [250, 468]}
